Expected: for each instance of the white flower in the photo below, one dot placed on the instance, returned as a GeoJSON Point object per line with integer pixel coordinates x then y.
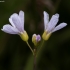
{"type": "Point", "coordinates": [17, 25]}
{"type": "Point", "coordinates": [50, 26]}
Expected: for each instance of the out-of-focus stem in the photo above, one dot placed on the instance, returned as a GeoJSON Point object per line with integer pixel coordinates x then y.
{"type": "Point", "coordinates": [40, 48]}
{"type": "Point", "coordinates": [35, 65]}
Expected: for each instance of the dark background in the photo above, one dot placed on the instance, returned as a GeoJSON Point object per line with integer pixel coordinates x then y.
{"type": "Point", "coordinates": [15, 54]}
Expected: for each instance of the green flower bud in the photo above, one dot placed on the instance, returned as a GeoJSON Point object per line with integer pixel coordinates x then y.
{"type": "Point", "coordinates": [36, 39]}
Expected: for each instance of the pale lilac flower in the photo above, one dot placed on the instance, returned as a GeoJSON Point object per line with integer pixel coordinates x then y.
{"type": "Point", "coordinates": [17, 24]}
{"type": "Point", "coordinates": [50, 26]}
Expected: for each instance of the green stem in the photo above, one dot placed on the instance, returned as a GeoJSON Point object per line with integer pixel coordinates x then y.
{"type": "Point", "coordinates": [30, 48]}
{"type": "Point", "coordinates": [34, 66]}
{"type": "Point", "coordinates": [40, 48]}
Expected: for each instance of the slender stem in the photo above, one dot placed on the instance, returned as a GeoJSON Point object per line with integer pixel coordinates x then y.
{"type": "Point", "coordinates": [40, 47]}
{"type": "Point", "coordinates": [35, 55]}
{"type": "Point", "coordinates": [34, 66]}
{"type": "Point", "coordinates": [30, 48]}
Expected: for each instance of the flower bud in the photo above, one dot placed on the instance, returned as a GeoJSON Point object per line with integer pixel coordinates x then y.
{"type": "Point", "coordinates": [36, 39]}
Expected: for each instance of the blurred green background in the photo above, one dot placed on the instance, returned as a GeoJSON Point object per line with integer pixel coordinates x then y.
{"type": "Point", "coordinates": [15, 54]}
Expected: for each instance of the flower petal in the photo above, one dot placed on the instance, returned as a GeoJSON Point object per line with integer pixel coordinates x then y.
{"type": "Point", "coordinates": [10, 20]}
{"type": "Point", "coordinates": [9, 29]}
{"type": "Point", "coordinates": [21, 15]}
{"type": "Point", "coordinates": [53, 22]}
{"type": "Point", "coordinates": [60, 26]}
{"type": "Point", "coordinates": [46, 19]}
{"type": "Point", "coordinates": [38, 38]}
{"type": "Point", "coordinates": [17, 22]}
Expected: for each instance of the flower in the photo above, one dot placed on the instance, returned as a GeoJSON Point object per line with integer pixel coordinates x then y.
{"type": "Point", "coordinates": [36, 39]}
{"type": "Point", "coordinates": [50, 26]}
{"type": "Point", "coordinates": [17, 25]}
